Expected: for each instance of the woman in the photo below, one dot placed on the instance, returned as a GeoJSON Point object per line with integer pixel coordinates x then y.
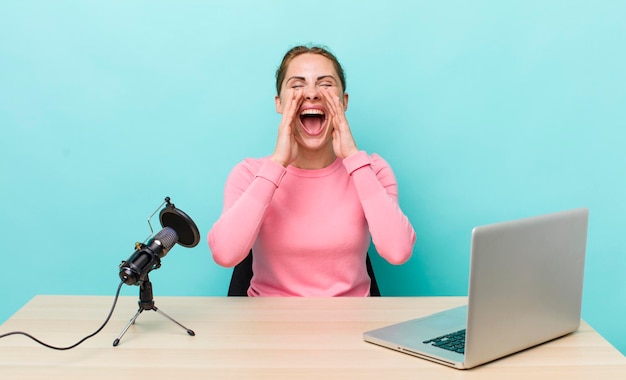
{"type": "Point", "coordinates": [309, 210]}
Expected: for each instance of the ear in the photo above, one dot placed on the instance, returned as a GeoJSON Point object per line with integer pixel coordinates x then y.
{"type": "Point", "coordinates": [279, 105]}
{"type": "Point", "coordinates": [345, 101]}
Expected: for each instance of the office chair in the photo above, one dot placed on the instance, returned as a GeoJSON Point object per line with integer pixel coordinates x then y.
{"type": "Point", "coordinates": [242, 274]}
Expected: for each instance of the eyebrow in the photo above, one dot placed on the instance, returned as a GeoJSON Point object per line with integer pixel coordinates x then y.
{"type": "Point", "coordinates": [326, 77]}
{"type": "Point", "coordinates": [322, 77]}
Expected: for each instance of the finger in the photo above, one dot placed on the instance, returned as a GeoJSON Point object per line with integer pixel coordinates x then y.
{"type": "Point", "coordinates": [292, 101]}
{"type": "Point", "coordinates": [333, 104]}
{"type": "Point", "coordinates": [331, 101]}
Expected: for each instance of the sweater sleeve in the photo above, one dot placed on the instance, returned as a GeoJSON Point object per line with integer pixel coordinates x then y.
{"type": "Point", "coordinates": [247, 194]}
{"type": "Point", "coordinates": [392, 233]}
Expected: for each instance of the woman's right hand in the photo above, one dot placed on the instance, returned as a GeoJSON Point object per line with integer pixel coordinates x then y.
{"type": "Point", "coordinates": [286, 149]}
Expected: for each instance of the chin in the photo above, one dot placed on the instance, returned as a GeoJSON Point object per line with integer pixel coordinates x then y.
{"type": "Point", "coordinates": [314, 142]}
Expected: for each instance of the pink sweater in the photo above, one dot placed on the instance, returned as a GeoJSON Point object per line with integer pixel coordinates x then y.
{"type": "Point", "coordinates": [310, 229]}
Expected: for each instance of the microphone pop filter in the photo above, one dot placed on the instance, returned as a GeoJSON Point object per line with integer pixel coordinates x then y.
{"type": "Point", "coordinates": [186, 229]}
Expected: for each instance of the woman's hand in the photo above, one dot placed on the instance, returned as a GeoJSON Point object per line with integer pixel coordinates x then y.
{"type": "Point", "coordinates": [343, 142]}
{"type": "Point", "coordinates": [286, 150]}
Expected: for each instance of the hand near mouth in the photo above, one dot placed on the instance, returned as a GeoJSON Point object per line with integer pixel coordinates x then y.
{"type": "Point", "coordinates": [343, 141]}
{"type": "Point", "coordinates": [286, 150]}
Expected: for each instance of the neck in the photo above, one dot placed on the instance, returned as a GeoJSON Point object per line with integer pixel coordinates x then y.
{"type": "Point", "coordinates": [317, 159]}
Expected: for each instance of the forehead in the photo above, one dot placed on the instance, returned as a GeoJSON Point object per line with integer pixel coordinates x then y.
{"type": "Point", "coordinates": [312, 64]}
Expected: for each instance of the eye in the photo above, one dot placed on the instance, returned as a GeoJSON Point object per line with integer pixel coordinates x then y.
{"type": "Point", "coordinates": [297, 86]}
{"type": "Point", "coordinates": [326, 84]}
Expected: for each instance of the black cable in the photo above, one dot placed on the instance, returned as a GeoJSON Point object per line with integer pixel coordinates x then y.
{"type": "Point", "coordinates": [117, 294]}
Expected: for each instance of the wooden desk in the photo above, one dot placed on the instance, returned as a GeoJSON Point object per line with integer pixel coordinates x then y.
{"type": "Point", "coordinates": [242, 338]}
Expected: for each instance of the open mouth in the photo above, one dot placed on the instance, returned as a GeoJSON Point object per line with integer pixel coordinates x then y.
{"type": "Point", "coordinates": [313, 121]}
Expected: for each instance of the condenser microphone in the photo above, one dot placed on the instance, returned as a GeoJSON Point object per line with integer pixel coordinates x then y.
{"type": "Point", "coordinates": [178, 227]}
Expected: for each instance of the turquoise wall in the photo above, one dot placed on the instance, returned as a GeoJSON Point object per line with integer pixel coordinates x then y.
{"type": "Point", "coordinates": [486, 110]}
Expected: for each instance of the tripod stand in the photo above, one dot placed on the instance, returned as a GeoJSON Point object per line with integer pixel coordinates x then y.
{"type": "Point", "coordinates": [146, 302]}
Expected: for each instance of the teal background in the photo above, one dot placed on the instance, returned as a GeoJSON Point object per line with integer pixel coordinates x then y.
{"type": "Point", "coordinates": [486, 110]}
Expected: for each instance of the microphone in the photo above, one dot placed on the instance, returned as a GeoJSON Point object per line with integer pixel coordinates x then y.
{"type": "Point", "coordinates": [178, 227]}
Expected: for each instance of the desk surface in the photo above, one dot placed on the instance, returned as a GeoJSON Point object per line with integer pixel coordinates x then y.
{"type": "Point", "coordinates": [293, 338]}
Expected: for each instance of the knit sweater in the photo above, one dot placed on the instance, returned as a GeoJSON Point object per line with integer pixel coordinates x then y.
{"type": "Point", "coordinates": [310, 229]}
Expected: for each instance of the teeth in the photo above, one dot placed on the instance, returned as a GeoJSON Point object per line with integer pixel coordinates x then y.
{"type": "Point", "coordinates": [312, 111]}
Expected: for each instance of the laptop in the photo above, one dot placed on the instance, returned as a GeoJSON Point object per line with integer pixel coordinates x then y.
{"type": "Point", "coordinates": [525, 288]}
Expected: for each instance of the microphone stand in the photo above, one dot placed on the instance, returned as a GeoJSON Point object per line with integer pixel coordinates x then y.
{"type": "Point", "coordinates": [146, 302]}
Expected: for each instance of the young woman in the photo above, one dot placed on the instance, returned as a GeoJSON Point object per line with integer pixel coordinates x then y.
{"type": "Point", "coordinates": [309, 210]}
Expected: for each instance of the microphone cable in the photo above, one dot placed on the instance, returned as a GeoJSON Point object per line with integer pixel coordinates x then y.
{"type": "Point", "coordinates": [117, 294]}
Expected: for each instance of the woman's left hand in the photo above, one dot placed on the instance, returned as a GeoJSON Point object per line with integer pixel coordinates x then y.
{"type": "Point", "coordinates": [343, 142]}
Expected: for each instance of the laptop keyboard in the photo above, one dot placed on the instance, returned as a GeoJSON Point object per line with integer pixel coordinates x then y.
{"type": "Point", "coordinates": [453, 342]}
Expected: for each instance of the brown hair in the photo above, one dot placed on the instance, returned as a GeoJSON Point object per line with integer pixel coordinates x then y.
{"type": "Point", "coordinates": [298, 50]}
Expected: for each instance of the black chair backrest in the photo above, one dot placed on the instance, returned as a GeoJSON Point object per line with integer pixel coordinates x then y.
{"type": "Point", "coordinates": [242, 274]}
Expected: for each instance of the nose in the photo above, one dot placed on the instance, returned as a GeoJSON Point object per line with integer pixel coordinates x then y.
{"type": "Point", "coordinates": [311, 93]}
